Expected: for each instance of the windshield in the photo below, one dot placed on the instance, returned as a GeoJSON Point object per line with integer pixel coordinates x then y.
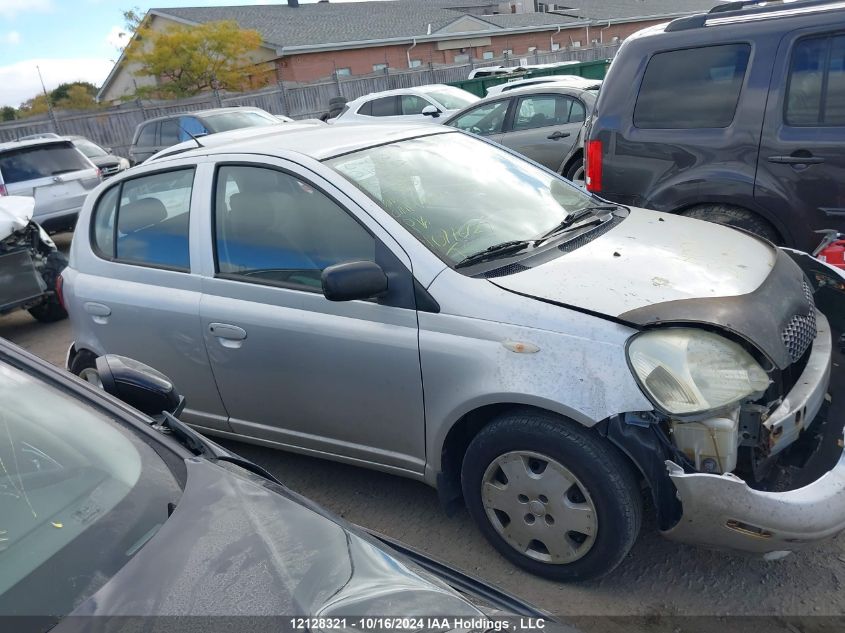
{"type": "Point", "coordinates": [459, 195]}
{"type": "Point", "coordinates": [237, 119]}
{"type": "Point", "coordinates": [90, 149]}
{"type": "Point", "coordinates": [79, 496]}
{"type": "Point", "coordinates": [452, 99]}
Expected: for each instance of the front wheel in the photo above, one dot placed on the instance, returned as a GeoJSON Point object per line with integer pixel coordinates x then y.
{"type": "Point", "coordinates": [551, 496]}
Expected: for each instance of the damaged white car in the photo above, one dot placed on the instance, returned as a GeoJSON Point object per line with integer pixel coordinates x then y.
{"type": "Point", "coordinates": [30, 263]}
{"type": "Point", "coordinates": [433, 305]}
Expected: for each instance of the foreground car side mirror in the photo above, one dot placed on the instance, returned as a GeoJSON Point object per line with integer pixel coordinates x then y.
{"type": "Point", "coordinates": [139, 385]}
{"type": "Point", "coordinates": [353, 280]}
{"type": "Point", "coordinates": [431, 111]}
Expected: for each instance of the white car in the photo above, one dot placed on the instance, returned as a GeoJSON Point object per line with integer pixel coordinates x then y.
{"type": "Point", "coordinates": [489, 71]}
{"type": "Point", "coordinates": [423, 103]}
{"type": "Point", "coordinates": [570, 81]}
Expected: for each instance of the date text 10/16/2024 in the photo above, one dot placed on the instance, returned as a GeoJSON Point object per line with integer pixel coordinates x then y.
{"type": "Point", "coordinates": [433, 624]}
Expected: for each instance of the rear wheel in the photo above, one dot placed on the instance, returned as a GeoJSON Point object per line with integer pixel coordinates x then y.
{"type": "Point", "coordinates": [551, 496]}
{"type": "Point", "coordinates": [575, 171]}
{"type": "Point", "coordinates": [735, 217]}
{"type": "Point", "coordinates": [51, 310]}
{"type": "Point", "coordinates": [84, 365]}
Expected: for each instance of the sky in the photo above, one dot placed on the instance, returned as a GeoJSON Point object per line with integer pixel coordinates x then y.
{"type": "Point", "coordinates": [69, 40]}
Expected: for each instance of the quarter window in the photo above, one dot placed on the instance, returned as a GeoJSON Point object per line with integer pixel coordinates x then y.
{"type": "Point", "coordinates": [145, 221]}
{"type": "Point", "coordinates": [816, 92]}
{"type": "Point", "coordinates": [275, 229]}
{"type": "Point", "coordinates": [692, 88]}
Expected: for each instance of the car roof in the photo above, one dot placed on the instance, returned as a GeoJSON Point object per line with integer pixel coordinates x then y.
{"type": "Point", "coordinates": [403, 91]}
{"type": "Point", "coordinates": [317, 141]}
{"type": "Point", "coordinates": [206, 112]}
{"type": "Point", "coordinates": [9, 145]}
{"type": "Point", "coordinates": [552, 86]}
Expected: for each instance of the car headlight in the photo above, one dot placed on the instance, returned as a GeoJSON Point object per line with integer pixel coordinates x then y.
{"type": "Point", "coordinates": [688, 370]}
{"type": "Point", "coordinates": [124, 164]}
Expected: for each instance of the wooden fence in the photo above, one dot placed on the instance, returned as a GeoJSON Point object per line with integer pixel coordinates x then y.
{"type": "Point", "coordinates": [114, 127]}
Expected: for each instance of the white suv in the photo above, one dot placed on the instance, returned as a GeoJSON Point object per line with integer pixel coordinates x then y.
{"type": "Point", "coordinates": [423, 103]}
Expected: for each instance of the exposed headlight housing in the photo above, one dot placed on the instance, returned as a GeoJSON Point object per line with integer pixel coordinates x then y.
{"type": "Point", "coordinates": [687, 370]}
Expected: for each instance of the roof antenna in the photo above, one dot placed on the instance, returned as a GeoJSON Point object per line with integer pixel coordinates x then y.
{"type": "Point", "coordinates": [193, 138]}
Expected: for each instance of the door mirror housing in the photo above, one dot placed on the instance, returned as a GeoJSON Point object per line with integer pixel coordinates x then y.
{"type": "Point", "coordinates": [139, 385]}
{"type": "Point", "coordinates": [431, 111]}
{"type": "Point", "coordinates": [353, 280]}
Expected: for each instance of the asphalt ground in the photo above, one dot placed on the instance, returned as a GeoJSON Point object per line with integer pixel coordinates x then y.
{"type": "Point", "coordinates": [661, 586]}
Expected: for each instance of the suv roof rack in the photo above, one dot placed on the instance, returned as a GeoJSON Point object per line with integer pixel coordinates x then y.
{"type": "Point", "coordinates": [748, 10]}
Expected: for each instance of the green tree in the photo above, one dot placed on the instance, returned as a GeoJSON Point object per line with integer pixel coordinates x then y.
{"type": "Point", "coordinates": [188, 60]}
{"type": "Point", "coordinates": [62, 91]}
{"type": "Point", "coordinates": [7, 113]}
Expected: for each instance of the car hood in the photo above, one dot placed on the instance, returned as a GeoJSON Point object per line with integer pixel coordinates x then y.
{"type": "Point", "coordinates": [654, 268]}
{"type": "Point", "coordinates": [15, 214]}
{"type": "Point", "coordinates": [240, 545]}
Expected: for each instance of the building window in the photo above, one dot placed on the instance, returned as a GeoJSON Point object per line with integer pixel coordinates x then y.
{"type": "Point", "coordinates": [414, 63]}
{"type": "Point", "coordinates": [487, 55]}
{"type": "Point", "coordinates": [462, 59]}
{"type": "Point", "coordinates": [343, 72]}
{"type": "Point", "coordinates": [507, 51]}
{"type": "Point", "coordinates": [555, 46]}
{"type": "Point", "coordinates": [378, 67]}
{"type": "Point", "coordinates": [576, 44]}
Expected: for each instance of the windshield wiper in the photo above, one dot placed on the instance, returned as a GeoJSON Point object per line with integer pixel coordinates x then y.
{"type": "Point", "coordinates": [570, 220]}
{"type": "Point", "coordinates": [491, 252]}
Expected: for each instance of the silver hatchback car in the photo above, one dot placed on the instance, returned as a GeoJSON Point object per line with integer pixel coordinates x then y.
{"type": "Point", "coordinates": [425, 302]}
{"type": "Point", "coordinates": [54, 172]}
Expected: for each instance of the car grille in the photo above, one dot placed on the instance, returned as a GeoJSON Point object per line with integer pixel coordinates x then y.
{"type": "Point", "coordinates": [799, 333]}
{"type": "Point", "coordinates": [110, 171]}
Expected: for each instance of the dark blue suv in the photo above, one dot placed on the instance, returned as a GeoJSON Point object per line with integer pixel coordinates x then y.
{"type": "Point", "coordinates": [735, 116]}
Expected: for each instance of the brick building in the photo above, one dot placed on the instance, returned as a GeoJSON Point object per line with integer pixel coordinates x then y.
{"type": "Point", "coordinates": [308, 42]}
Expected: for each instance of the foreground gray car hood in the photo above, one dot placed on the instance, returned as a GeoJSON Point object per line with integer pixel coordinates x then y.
{"type": "Point", "coordinates": [234, 547]}
{"type": "Point", "coordinates": [653, 268]}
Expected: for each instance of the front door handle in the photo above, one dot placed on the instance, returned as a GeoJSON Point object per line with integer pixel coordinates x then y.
{"type": "Point", "coordinates": [796, 160]}
{"type": "Point", "coordinates": [557, 135]}
{"type": "Point", "coordinates": [230, 336]}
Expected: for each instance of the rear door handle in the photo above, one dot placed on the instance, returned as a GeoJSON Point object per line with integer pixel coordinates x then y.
{"type": "Point", "coordinates": [796, 160]}
{"type": "Point", "coordinates": [556, 135]}
{"type": "Point", "coordinates": [230, 336]}
{"type": "Point", "coordinates": [99, 313]}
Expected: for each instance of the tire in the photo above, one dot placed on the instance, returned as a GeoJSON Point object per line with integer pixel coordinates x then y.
{"type": "Point", "coordinates": [735, 217]}
{"type": "Point", "coordinates": [603, 498]}
{"type": "Point", "coordinates": [575, 172]}
{"type": "Point", "coordinates": [51, 310]}
{"type": "Point", "coordinates": [84, 365]}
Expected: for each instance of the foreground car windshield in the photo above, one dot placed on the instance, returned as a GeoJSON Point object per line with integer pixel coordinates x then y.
{"type": "Point", "coordinates": [459, 195]}
{"type": "Point", "coordinates": [80, 495]}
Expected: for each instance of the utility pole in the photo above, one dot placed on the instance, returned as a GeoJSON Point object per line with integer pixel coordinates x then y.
{"type": "Point", "coordinates": [49, 104]}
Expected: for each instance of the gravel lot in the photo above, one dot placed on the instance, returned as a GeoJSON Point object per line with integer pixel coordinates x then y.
{"type": "Point", "coordinates": [660, 584]}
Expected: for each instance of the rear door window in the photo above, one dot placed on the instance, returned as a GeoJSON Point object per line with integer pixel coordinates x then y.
{"type": "Point", "coordinates": [147, 137]}
{"type": "Point", "coordinates": [816, 90]}
{"type": "Point", "coordinates": [145, 221]}
{"type": "Point", "coordinates": [692, 88]}
{"type": "Point", "coordinates": [41, 161]}
{"type": "Point", "coordinates": [386, 106]}
{"type": "Point", "coordinates": [541, 111]}
{"type": "Point", "coordinates": [170, 131]}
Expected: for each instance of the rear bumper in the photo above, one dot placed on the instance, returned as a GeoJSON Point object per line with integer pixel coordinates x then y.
{"type": "Point", "coordinates": [723, 512]}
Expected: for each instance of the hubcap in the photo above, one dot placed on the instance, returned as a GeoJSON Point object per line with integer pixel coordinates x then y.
{"type": "Point", "coordinates": [539, 507]}
{"type": "Point", "coordinates": [89, 374]}
{"type": "Point", "coordinates": [578, 176]}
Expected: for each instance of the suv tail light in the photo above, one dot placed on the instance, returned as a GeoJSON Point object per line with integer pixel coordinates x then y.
{"type": "Point", "coordinates": [593, 171]}
{"type": "Point", "coordinates": [3, 191]}
{"type": "Point", "coordinates": [60, 294]}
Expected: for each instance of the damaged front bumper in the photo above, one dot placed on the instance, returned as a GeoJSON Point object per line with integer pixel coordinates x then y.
{"type": "Point", "coordinates": [724, 512]}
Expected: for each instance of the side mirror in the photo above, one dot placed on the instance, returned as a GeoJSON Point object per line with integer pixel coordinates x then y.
{"type": "Point", "coordinates": [431, 111]}
{"type": "Point", "coordinates": [138, 385]}
{"type": "Point", "coordinates": [353, 280]}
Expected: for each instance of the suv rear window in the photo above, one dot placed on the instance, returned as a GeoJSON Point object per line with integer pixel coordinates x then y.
{"type": "Point", "coordinates": [41, 161]}
{"type": "Point", "coordinates": [692, 88]}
